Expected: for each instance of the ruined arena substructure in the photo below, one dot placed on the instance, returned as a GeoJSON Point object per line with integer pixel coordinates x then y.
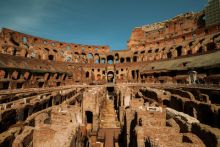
{"type": "Point", "coordinates": [162, 91]}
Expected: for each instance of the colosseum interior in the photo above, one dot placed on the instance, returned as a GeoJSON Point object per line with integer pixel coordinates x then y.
{"type": "Point", "coordinates": [163, 90]}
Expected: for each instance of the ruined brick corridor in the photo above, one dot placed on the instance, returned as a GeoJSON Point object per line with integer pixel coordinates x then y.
{"type": "Point", "coordinates": [106, 115]}
{"type": "Point", "coordinates": [163, 90]}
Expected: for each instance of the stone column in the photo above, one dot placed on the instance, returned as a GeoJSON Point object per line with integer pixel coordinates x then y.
{"type": "Point", "coordinates": [140, 136]}
{"type": "Point", "coordinates": [95, 123]}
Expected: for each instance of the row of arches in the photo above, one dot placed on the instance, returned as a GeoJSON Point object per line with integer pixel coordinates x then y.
{"type": "Point", "coordinates": [28, 79]}
{"type": "Point", "coordinates": [110, 59]}
{"type": "Point", "coordinates": [172, 52]}
{"type": "Point", "coordinates": [199, 45]}
{"type": "Point", "coordinates": [26, 40]}
{"type": "Point", "coordinates": [98, 76]}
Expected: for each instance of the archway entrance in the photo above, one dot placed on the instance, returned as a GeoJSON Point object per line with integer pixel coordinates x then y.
{"type": "Point", "coordinates": [192, 77]}
{"type": "Point", "coordinates": [89, 117]}
{"type": "Point", "coordinates": [110, 77]}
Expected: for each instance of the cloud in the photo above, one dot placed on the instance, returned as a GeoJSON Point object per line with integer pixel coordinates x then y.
{"type": "Point", "coordinates": [25, 15]}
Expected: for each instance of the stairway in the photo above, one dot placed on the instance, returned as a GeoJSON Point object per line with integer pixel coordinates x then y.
{"type": "Point", "coordinates": [108, 118]}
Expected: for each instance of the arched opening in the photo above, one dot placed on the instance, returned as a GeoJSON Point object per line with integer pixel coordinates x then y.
{"type": "Point", "coordinates": [169, 55]}
{"type": "Point", "coordinates": [122, 60]}
{"type": "Point", "coordinates": [46, 50]}
{"type": "Point", "coordinates": [211, 46]}
{"type": "Point", "coordinates": [179, 51]}
{"type": "Point", "coordinates": [27, 76]}
{"type": "Point", "coordinates": [110, 59]}
{"type": "Point", "coordinates": [135, 58]}
{"type": "Point", "coordinates": [128, 59]}
{"type": "Point", "coordinates": [90, 56]}
{"type": "Point", "coordinates": [200, 50]}
{"type": "Point", "coordinates": [150, 51]}
{"type": "Point", "coordinates": [15, 75]}
{"type": "Point", "coordinates": [51, 57]}
{"type": "Point", "coordinates": [133, 74]}
{"type": "Point", "coordinates": [103, 60]}
{"type": "Point", "coordinates": [117, 58]}
{"type": "Point", "coordinates": [135, 53]}
{"type": "Point", "coordinates": [110, 77]}
{"type": "Point", "coordinates": [87, 74]}
{"type": "Point", "coordinates": [89, 117]}
{"type": "Point", "coordinates": [97, 59]}
{"type": "Point", "coordinates": [24, 40]}
{"type": "Point", "coordinates": [142, 52]}
{"type": "Point", "coordinates": [191, 43]}
{"type": "Point", "coordinates": [68, 59]}
{"type": "Point", "coordinates": [201, 21]}
{"type": "Point", "coordinates": [55, 50]}
{"type": "Point", "coordinates": [189, 52]}
{"type": "Point", "coordinates": [192, 77]}
{"type": "Point", "coordinates": [3, 74]}
{"type": "Point", "coordinates": [83, 55]}
{"type": "Point", "coordinates": [41, 84]}
{"type": "Point", "coordinates": [14, 52]}
{"type": "Point", "coordinates": [26, 113]}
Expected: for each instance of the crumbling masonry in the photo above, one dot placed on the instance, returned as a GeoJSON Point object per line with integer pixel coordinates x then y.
{"type": "Point", "coordinates": [164, 90]}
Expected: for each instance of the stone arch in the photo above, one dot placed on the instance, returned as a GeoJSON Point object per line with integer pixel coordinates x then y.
{"type": "Point", "coordinates": [128, 59]}
{"type": "Point", "coordinates": [87, 74]}
{"type": "Point", "coordinates": [97, 58]}
{"type": "Point", "coordinates": [3, 74]}
{"type": "Point", "coordinates": [103, 60]}
{"type": "Point", "coordinates": [201, 21]}
{"type": "Point", "coordinates": [211, 46]}
{"type": "Point", "coordinates": [68, 58]}
{"type": "Point", "coordinates": [51, 57]}
{"type": "Point", "coordinates": [110, 76]}
{"type": "Point", "coordinates": [136, 52]}
{"type": "Point", "coordinates": [83, 54]}
{"type": "Point", "coordinates": [27, 75]}
{"type": "Point", "coordinates": [122, 60]}
{"type": "Point", "coordinates": [169, 55]}
{"type": "Point", "coordinates": [24, 40]}
{"type": "Point", "coordinates": [90, 56]}
{"type": "Point", "coordinates": [150, 51]}
{"type": "Point", "coordinates": [89, 117]}
{"type": "Point", "coordinates": [83, 57]}
{"type": "Point", "coordinates": [201, 49]}
{"type": "Point", "coordinates": [135, 59]}
{"type": "Point", "coordinates": [15, 75]}
{"type": "Point", "coordinates": [110, 59]}
{"type": "Point", "coordinates": [179, 50]}
{"type": "Point", "coordinates": [116, 57]}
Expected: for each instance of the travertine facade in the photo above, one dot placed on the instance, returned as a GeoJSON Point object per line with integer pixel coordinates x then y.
{"type": "Point", "coordinates": [162, 91]}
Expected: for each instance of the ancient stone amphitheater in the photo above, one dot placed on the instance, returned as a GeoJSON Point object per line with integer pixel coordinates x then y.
{"type": "Point", "coordinates": [163, 90]}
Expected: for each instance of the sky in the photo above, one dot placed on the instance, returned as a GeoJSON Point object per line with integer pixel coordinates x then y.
{"type": "Point", "coordinates": [91, 22]}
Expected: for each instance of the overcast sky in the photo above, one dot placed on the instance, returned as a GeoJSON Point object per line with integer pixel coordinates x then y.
{"type": "Point", "coordinates": [93, 22]}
